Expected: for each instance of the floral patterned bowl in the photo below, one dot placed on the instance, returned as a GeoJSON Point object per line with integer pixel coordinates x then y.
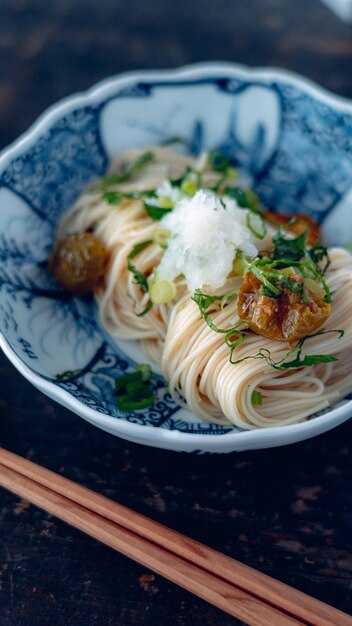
{"type": "Point", "coordinates": [293, 141]}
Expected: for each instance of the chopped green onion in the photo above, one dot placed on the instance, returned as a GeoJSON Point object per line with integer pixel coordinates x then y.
{"type": "Point", "coordinates": [256, 398]}
{"type": "Point", "coordinates": [133, 389]}
{"type": "Point", "coordinates": [139, 390]}
{"type": "Point", "coordinates": [125, 403]}
{"type": "Point", "coordinates": [122, 382]}
{"type": "Point", "coordinates": [231, 173]}
{"type": "Point", "coordinates": [238, 267]}
{"type": "Point", "coordinates": [162, 291]}
{"type": "Point", "coordinates": [252, 217]}
{"type": "Point", "coordinates": [145, 371]}
{"type": "Point", "coordinates": [252, 199]}
{"type": "Point", "coordinates": [161, 236]}
{"type": "Point", "coordinates": [141, 375]}
{"type": "Point", "coordinates": [188, 188]}
{"type": "Point", "coordinates": [166, 202]}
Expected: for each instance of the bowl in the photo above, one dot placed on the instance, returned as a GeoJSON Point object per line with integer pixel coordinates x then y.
{"type": "Point", "coordinates": [292, 139]}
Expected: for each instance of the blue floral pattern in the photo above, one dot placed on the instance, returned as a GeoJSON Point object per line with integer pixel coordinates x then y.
{"type": "Point", "coordinates": [60, 163]}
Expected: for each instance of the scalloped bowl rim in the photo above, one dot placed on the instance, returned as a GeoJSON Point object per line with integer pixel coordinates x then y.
{"type": "Point", "coordinates": [151, 435]}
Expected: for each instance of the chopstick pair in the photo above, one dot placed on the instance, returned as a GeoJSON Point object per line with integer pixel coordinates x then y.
{"type": "Point", "coordinates": [244, 593]}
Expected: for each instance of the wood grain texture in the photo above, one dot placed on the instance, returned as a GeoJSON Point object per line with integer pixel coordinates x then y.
{"type": "Point", "coordinates": [221, 594]}
{"type": "Point", "coordinates": [246, 592]}
{"type": "Point", "coordinates": [287, 511]}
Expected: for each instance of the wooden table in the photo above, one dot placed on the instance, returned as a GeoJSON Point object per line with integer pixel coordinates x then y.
{"type": "Point", "coordinates": [287, 512]}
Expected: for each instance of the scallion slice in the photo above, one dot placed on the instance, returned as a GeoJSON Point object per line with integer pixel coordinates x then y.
{"type": "Point", "coordinates": [125, 403]}
{"type": "Point", "coordinates": [161, 236]}
{"type": "Point", "coordinates": [256, 398]}
{"type": "Point", "coordinates": [256, 224]}
{"type": "Point", "coordinates": [162, 291]}
{"type": "Point", "coordinates": [134, 390]}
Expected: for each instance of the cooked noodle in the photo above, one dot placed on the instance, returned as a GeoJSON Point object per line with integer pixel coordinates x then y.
{"type": "Point", "coordinates": [194, 358]}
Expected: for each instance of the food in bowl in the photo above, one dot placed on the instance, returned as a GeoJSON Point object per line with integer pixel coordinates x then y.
{"type": "Point", "coordinates": [294, 150]}
{"type": "Point", "coordinates": [246, 311]}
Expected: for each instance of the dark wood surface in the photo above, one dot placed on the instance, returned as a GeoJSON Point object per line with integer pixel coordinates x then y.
{"type": "Point", "coordinates": [287, 512]}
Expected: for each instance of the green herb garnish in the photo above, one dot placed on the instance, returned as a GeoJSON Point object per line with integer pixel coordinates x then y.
{"type": "Point", "coordinates": [307, 361]}
{"type": "Point", "coordinates": [233, 335]}
{"type": "Point", "coordinates": [135, 402]}
{"type": "Point", "coordinates": [289, 253]}
{"type": "Point", "coordinates": [317, 254]}
{"type": "Point", "coordinates": [134, 390]}
{"type": "Point", "coordinates": [189, 188]}
{"type": "Point", "coordinates": [143, 374]}
{"type": "Point", "coordinates": [156, 212]}
{"type": "Point", "coordinates": [204, 301]}
{"type": "Point", "coordinates": [116, 179]}
{"type": "Point", "coordinates": [245, 198]}
{"type": "Point", "coordinates": [295, 252]}
{"type": "Point", "coordinates": [139, 278]}
{"type": "Point", "coordinates": [259, 234]}
{"type": "Point", "coordinates": [256, 398]}
{"type": "Point", "coordinates": [256, 267]}
{"type": "Point", "coordinates": [113, 197]}
{"type": "Point", "coordinates": [289, 249]}
{"type": "Point", "coordinates": [218, 162]}
{"type": "Point", "coordinates": [161, 237]}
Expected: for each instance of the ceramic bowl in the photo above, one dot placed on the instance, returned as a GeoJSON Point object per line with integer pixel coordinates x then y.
{"type": "Point", "coordinates": [292, 140]}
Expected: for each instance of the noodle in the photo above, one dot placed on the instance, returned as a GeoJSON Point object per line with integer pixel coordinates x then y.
{"type": "Point", "coordinates": [194, 358]}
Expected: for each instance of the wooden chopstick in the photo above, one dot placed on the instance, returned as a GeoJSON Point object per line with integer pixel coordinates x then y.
{"type": "Point", "coordinates": [243, 592]}
{"type": "Point", "coordinates": [212, 589]}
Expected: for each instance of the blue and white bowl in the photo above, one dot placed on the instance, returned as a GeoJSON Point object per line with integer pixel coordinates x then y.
{"type": "Point", "coordinates": [292, 140]}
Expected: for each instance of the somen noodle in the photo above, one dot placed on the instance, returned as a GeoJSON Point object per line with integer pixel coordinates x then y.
{"type": "Point", "coordinates": [148, 295]}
